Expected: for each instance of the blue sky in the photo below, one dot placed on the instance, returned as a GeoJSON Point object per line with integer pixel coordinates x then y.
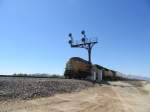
{"type": "Point", "coordinates": [33, 34]}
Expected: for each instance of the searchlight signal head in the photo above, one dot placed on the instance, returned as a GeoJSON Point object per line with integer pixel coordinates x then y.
{"type": "Point", "coordinates": [84, 36]}
{"type": "Point", "coordinates": [71, 39]}
{"type": "Point", "coordinates": [83, 33]}
{"type": "Point", "coordinates": [70, 35]}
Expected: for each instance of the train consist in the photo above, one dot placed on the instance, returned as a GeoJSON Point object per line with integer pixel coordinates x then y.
{"type": "Point", "coordinates": [81, 69]}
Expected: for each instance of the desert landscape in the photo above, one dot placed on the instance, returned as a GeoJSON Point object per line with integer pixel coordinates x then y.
{"type": "Point", "coordinates": [75, 56]}
{"type": "Point", "coordinates": [73, 96]}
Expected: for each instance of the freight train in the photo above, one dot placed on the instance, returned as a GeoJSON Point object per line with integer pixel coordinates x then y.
{"type": "Point", "coordinates": [79, 68]}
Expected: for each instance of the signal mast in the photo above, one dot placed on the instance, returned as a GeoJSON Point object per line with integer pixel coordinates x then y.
{"type": "Point", "coordinates": [85, 42]}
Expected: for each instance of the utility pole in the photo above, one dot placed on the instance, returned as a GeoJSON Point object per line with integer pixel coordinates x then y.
{"type": "Point", "coordinates": [85, 42]}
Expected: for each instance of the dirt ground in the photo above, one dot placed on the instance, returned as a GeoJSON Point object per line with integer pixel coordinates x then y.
{"type": "Point", "coordinates": [112, 97]}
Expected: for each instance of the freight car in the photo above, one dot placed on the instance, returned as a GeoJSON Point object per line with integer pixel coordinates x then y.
{"type": "Point", "coordinates": [107, 74]}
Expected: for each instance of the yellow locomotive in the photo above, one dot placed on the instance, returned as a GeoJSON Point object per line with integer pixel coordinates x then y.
{"type": "Point", "coordinates": [77, 68]}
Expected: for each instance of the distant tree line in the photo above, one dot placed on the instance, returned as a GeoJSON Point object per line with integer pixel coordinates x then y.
{"type": "Point", "coordinates": [38, 75]}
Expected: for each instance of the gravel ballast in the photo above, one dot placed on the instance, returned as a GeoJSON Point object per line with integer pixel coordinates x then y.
{"type": "Point", "coordinates": [21, 88]}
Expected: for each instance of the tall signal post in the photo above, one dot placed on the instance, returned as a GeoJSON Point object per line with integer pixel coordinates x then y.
{"type": "Point", "coordinates": [85, 42]}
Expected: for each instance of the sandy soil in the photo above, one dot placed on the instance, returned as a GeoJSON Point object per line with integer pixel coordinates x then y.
{"type": "Point", "coordinates": [114, 97]}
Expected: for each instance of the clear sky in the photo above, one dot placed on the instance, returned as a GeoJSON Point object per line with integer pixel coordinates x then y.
{"type": "Point", "coordinates": [34, 34]}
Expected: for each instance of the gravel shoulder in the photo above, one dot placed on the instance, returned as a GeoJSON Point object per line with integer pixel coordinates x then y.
{"type": "Point", "coordinates": [19, 88]}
